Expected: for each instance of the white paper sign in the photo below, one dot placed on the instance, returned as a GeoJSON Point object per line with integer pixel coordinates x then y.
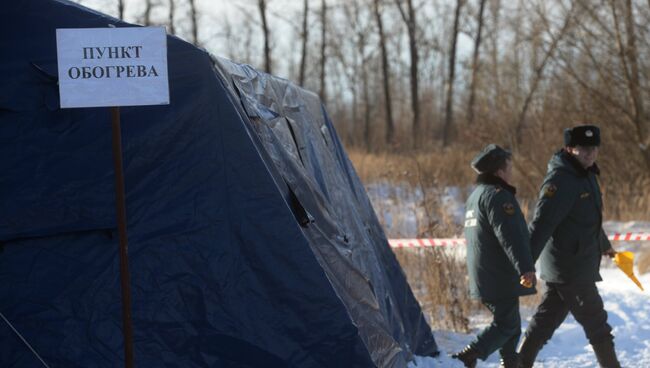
{"type": "Point", "coordinates": [112, 66]}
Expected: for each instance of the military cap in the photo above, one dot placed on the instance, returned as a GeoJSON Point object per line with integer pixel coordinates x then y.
{"type": "Point", "coordinates": [582, 135]}
{"type": "Point", "coordinates": [490, 159]}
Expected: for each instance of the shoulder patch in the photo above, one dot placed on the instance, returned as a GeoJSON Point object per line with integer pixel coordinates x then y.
{"type": "Point", "coordinates": [549, 190]}
{"type": "Point", "coordinates": [584, 195]}
{"type": "Point", "coordinates": [509, 208]}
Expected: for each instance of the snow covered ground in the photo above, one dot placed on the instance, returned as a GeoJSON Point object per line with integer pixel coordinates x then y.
{"type": "Point", "coordinates": [629, 314]}
{"type": "Point", "coordinates": [399, 208]}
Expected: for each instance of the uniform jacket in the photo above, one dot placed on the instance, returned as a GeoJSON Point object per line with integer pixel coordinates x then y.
{"type": "Point", "coordinates": [498, 247]}
{"type": "Point", "coordinates": [566, 231]}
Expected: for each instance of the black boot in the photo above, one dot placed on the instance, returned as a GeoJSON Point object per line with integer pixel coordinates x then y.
{"type": "Point", "coordinates": [511, 361]}
{"type": "Point", "coordinates": [528, 350]}
{"type": "Point", "coordinates": [606, 354]}
{"type": "Point", "coordinates": [468, 356]}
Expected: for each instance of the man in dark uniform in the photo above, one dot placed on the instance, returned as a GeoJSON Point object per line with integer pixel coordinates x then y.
{"type": "Point", "coordinates": [567, 231]}
{"type": "Point", "coordinates": [498, 257]}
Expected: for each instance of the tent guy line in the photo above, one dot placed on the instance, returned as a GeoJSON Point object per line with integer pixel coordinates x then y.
{"type": "Point", "coordinates": [23, 339]}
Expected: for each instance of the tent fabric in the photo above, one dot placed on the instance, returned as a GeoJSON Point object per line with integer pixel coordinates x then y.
{"type": "Point", "coordinates": [344, 231]}
{"type": "Point", "coordinates": [252, 242]}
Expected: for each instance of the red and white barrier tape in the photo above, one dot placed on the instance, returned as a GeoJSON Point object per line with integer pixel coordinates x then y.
{"type": "Point", "coordinates": [416, 243]}
{"type": "Point", "coordinates": [629, 237]}
{"type": "Point", "coordinates": [412, 243]}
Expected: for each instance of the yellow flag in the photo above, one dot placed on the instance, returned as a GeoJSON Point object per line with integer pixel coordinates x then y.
{"type": "Point", "coordinates": [625, 261]}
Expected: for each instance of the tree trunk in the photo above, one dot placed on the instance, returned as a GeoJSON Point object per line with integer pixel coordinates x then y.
{"type": "Point", "coordinates": [631, 54]}
{"type": "Point", "coordinates": [172, 10]}
{"type": "Point", "coordinates": [516, 52]}
{"type": "Point", "coordinates": [475, 64]}
{"type": "Point", "coordinates": [120, 9]}
{"type": "Point", "coordinates": [449, 110]}
{"type": "Point", "coordinates": [411, 26]}
{"type": "Point", "coordinates": [496, 79]}
{"type": "Point", "coordinates": [361, 65]}
{"type": "Point", "coordinates": [305, 41]}
{"type": "Point", "coordinates": [195, 26]}
{"type": "Point", "coordinates": [323, 49]}
{"type": "Point", "coordinates": [146, 17]}
{"type": "Point", "coordinates": [538, 76]}
{"type": "Point", "coordinates": [265, 31]}
{"type": "Point", "coordinates": [366, 109]}
{"type": "Point", "coordinates": [386, 74]}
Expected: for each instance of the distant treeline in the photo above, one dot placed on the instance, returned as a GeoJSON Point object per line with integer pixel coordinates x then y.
{"type": "Point", "coordinates": [403, 75]}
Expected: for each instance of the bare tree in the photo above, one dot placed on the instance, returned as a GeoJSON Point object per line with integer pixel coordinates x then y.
{"type": "Point", "coordinates": [475, 62]}
{"type": "Point", "coordinates": [618, 87]}
{"type": "Point", "coordinates": [120, 9]}
{"type": "Point", "coordinates": [239, 38]}
{"type": "Point", "coordinates": [449, 111]}
{"type": "Point", "coordinates": [265, 30]}
{"type": "Point", "coordinates": [172, 10]}
{"type": "Point", "coordinates": [539, 74]}
{"type": "Point", "coordinates": [146, 15]}
{"type": "Point", "coordinates": [410, 20]}
{"type": "Point", "coordinates": [361, 28]}
{"type": "Point", "coordinates": [193, 22]}
{"type": "Point", "coordinates": [305, 41]}
{"type": "Point", "coordinates": [366, 108]}
{"type": "Point", "coordinates": [495, 10]}
{"type": "Point", "coordinates": [390, 125]}
{"type": "Point", "coordinates": [633, 82]}
{"type": "Point", "coordinates": [533, 66]}
{"type": "Point", "coordinates": [323, 49]}
{"type": "Point", "coordinates": [365, 58]}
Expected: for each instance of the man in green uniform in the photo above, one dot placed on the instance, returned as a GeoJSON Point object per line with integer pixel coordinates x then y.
{"type": "Point", "coordinates": [498, 257]}
{"type": "Point", "coordinates": [567, 231]}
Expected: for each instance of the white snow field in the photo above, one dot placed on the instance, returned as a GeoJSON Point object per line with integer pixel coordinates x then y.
{"type": "Point", "coordinates": [399, 208]}
{"type": "Point", "coordinates": [628, 311]}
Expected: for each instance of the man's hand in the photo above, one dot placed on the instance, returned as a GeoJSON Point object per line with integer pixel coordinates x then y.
{"type": "Point", "coordinates": [528, 280]}
{"type": "Point", "coordinates": [610, 253]}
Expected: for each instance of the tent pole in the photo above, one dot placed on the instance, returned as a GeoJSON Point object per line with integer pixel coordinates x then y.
{"type": "Point", "coordinates": [120, 206]}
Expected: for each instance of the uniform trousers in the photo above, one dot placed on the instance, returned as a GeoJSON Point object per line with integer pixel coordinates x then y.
{"type": "Point", "coordinates": [584, 303]}
{"type": "Point", "coordinates": [504, 331]}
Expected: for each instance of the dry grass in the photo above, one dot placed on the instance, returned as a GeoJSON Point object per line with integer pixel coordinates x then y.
{"type": "Point", "coordinates": [643, 262]}
{"type": "Point", "coordinates": [627, 200]}
{"type": "Point", "coordinates": [626, 190]}
{"type": "Point", "coordinates": [442, 167]}
{"type": "Point", "coordinates": [439, 281]}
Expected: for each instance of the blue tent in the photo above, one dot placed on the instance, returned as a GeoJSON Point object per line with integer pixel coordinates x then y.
{"type": "Point", "coordinates": [252, 242]}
